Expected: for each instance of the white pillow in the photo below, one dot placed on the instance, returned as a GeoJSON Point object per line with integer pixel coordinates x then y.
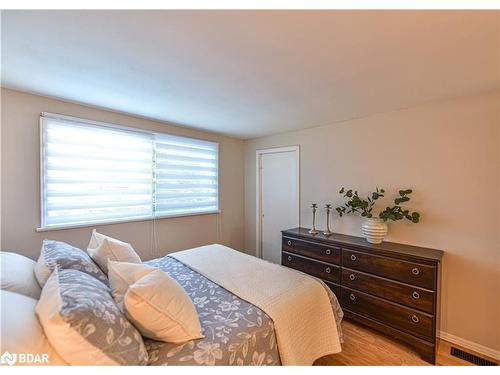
{"type": "Point", "coordinates": [103, 248]}
{"type": "Point", "coordinates": [17, 274]}
{"type": "Point", "coordinates": [161, 309]}
{"type": "Point", "coordinates": [156, 304]}
{"type": "Point", "coordinates": [122, 274]}
{"type": "Point", "coordinates": [21, 332]}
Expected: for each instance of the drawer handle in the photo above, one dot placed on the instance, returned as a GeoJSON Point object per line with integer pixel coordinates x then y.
{"type": "Point", "coordinates": [289, 258]}
{"type": "Point", "coordinates": [353, 257]}
{"type": "Point", "coordinates": [328, 252]}
{"type": "Point", "coordinates": [415, 319]}
{"type": "Point", "coordinates": [415, 295]}
{"type": "Point", "coordinates": [328, 270]}
{"type": "Point", "coordinates": [352, 277]}
{"type": "Point", "coordinates": [352, 297]}
{"type": "Point", "coordinates": [415, 271]}
{"type": "Point", "coordinates": [289, 243]}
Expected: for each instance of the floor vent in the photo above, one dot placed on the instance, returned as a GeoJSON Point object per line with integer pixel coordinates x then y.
{"type": "Point", "coordinates": [471, 358]}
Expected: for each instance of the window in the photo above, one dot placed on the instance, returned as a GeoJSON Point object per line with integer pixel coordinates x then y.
{"type": "Point", "coordinates": [95, 173]}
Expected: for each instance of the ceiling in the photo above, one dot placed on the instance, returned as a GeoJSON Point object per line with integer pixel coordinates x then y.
{"type": "Point", "coordinates": [250, 73]}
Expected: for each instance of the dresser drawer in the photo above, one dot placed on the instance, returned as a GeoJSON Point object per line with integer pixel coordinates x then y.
{"type": "Point", "coordinates": [407, 272]}
{"type": "Point", "coordinates": [325, 253]}
{"type": "Point", "coordinates": [412, 321]}
{"type": "Point", "coordinates": [312, 267]}
{"type": "Point", "coordinates": [404, 294]}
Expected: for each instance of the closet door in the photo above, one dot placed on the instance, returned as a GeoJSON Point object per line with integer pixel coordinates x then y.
{"type": "Point", "coordinates": [279, 198]}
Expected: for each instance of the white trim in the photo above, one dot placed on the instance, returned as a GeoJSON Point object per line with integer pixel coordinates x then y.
{"type": "Point", "coordinates": [42, 174]}
{"type": "Point", "coordinates": [480, 349]}
{"type": "Point", "coordinates": [258, 200]}
{"type": "Point", "coordinates": [121, 221]}
{"type": "Point", "coordinates": [275, 150]}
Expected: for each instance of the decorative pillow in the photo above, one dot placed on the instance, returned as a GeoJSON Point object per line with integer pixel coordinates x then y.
{"type": "Point", "coordinates": [122, 274]}
{"type": "Point", "coordinates": [17, 274]}
{"type": "Point", "coordinates": [60, 254]}
{"type": "Point", "coordinates": [83, 323]}
{"type": "Point", "coordinates": [103, 248]}
{"type": "Point", "coordinates": [21, 333]}
{"type": "Point", "coordinates": [161, 309]}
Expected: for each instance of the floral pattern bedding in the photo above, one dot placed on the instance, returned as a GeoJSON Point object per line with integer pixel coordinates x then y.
{"type": "Point", "coordinates": [236, 332]}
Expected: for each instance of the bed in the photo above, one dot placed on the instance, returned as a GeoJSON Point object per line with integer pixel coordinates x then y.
{"type": "Point", "coordinates": [243, 323]}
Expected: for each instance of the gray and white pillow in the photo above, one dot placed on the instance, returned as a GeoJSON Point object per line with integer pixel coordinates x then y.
{"type": "Point", "coordinates": [83, 323]}
{"type": "Point", "coordinates": [64, 256]}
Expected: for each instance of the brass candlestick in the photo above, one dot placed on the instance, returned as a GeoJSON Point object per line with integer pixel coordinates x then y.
{"type": "Point", "coordinates": [313, 230]}
{"type": "Point", "coordinates": [328, 232]}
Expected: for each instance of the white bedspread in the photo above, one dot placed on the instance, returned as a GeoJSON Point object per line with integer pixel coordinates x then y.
{"type": "Point", "coordinates": [298, 304]}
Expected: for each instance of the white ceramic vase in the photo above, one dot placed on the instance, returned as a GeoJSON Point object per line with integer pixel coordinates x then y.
{"type": "Point", "coordinates": [374, 230]}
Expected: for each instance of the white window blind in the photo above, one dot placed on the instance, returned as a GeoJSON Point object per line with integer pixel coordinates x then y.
{"type": "Point", "coordinates": [96, 173]}
{"type": "Point", "coordinates": [186, 175]}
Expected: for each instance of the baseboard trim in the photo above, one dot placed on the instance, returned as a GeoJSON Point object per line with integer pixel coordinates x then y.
{"type": "Point", "coordinates": [481, 349]}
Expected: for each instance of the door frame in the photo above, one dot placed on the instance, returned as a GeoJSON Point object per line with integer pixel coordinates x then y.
{"type": "Point", "coordinates": [258, 191]}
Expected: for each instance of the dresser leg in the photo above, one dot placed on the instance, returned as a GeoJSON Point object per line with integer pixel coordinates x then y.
{"type": "Point", "coordinates": [428, 355]}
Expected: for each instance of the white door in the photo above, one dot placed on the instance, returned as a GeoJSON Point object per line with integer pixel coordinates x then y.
{"type": "Point", "coordinates": [279, 198]}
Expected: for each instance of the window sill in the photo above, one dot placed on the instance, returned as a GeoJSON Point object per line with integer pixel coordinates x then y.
{"type": "Point", "coordinates": [111, 222]}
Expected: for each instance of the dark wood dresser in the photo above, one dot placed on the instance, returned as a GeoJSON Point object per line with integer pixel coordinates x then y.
{"type": "Point", "coordinates": [393, 288]}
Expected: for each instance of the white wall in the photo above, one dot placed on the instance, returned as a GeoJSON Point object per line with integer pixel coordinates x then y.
{"type": "Point", "coordinates": [447, 152]}
{"type": "Point", "coordinates": [20, 203]}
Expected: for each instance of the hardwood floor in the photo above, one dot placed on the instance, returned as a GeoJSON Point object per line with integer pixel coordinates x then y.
{"type": "Point", "coordinates": [365, 347]}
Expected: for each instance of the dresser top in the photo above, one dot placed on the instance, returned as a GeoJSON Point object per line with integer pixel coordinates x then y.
{"type": "Point", "coordinates": [361, 243]}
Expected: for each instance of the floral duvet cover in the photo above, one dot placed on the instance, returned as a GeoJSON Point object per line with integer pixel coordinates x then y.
{"type": "Point", "coordinates": [236, 332]}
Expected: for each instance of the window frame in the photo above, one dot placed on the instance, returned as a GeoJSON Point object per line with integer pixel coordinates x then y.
{"type": "Point", "coordinates": [82, 121]}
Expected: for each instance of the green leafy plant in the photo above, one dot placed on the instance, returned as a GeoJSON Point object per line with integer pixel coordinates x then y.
{"type": "Point", "coordinates": [355, 204]}
{"type": "Point", "coordinates": [396, 212]}
{"type": "Point", "coordinates": [364, 206]}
